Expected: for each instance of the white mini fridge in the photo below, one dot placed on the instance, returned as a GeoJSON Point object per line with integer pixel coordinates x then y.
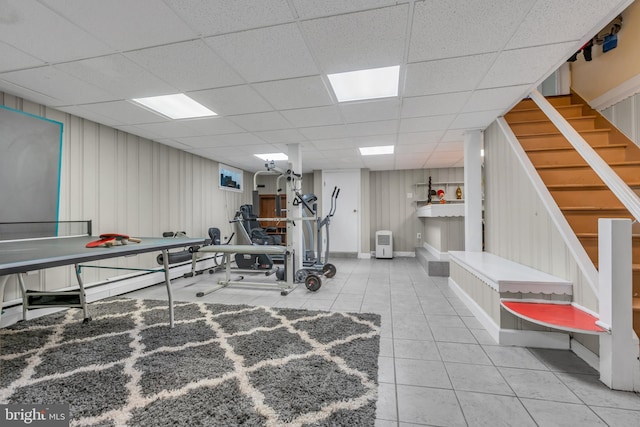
{"type": "Point", "coordinates": [384, 244]}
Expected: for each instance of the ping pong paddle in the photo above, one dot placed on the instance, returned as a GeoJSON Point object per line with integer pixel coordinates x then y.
{"type": "Point", "coordinates": [121, 238]}
{"type": "Point", "coordinates": [101, 242]}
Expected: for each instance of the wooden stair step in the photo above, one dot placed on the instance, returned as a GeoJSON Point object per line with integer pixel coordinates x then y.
{"type": "Point", "coordinates": [556, 139]}
{"type": "Point", "coordinates": [563, 156]}
{"type": "Point", "coordinates": [528, 103]}
{"type": "Point", "coordinates": [546, 126]}
{"type": "Point", "coordinates": [598, 195]}
{"type": "Point", "coordinates": [585, 219]}
{"type": "Point", "coordinates": [590, 243]}
{"type": "Point", "coordinates": [583, 174]}
{"type": "Point", "coordinates": [528, 114]}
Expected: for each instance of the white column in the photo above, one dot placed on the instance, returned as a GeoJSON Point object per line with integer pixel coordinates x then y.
{"type": "Point", "coordinates": [618, 350]}
{"type": "Point", "coordinates": [295, 233]}
{"type": "Point", "coordinates": [473, 191]}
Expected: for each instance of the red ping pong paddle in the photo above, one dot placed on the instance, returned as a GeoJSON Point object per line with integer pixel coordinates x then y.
{"type": "Point", "coordinates": [101, 242]}
{"type": "Point", "coordinates": [122, 238]}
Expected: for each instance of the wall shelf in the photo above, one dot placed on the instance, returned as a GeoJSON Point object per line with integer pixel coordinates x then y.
{"type": "Point", "coordinates": [441, 210]}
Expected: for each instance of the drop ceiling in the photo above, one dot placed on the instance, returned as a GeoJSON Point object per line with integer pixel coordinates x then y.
{"type": "Point", "coordinates": [262, 65]}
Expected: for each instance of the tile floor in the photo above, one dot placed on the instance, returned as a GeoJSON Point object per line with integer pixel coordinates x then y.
{"type": "Point", "coordinates": [437, 365]}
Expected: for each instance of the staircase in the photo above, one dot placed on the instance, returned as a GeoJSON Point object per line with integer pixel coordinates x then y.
{"type": "Point", "coordinates": [579, 192]}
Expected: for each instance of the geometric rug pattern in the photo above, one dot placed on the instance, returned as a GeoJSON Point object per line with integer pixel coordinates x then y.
{"type": "Point", "coordinates": [221, 365]}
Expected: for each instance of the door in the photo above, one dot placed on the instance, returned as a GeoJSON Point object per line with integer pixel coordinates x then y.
{"type": "Point", "coordinates": [345, 225]}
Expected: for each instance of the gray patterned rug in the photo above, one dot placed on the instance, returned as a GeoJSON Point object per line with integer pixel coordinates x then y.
{"type": "Point", "coordinates": [221, 365]}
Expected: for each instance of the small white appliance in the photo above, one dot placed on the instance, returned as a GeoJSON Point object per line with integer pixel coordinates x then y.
{"type": "Point", "coordinates": [384, 244]}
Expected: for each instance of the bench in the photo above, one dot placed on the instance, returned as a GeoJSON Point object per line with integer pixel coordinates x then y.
{"type": "Point", "coordinates": [503, 295]}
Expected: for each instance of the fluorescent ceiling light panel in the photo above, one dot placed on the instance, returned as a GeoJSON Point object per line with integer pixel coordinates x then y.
{"type": "Point", "coordinates": [373, 151]}
{"type": "Point", "coordinates": [178, 106]}
{"type": "Point", "coordinates": [366, 84]}
{"type": "Point", "coordinates": [272, 156]}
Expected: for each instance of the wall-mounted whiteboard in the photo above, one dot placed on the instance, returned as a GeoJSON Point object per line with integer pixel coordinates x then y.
{"type": "Point", "coordinates": [30, 158]}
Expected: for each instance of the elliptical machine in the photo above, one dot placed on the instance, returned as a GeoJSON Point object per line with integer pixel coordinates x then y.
{"type": "Point", "coordinates": [316, 261]}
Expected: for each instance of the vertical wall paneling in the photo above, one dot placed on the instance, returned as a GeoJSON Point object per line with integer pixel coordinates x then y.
{"type": "Point", "coordinates": [124, 183]}
{"type": "Point", "coordinates": [517, 225]}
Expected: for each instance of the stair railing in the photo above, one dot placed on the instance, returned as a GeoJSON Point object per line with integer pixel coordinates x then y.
{"type": "Point", "coordinates": [620, 189]}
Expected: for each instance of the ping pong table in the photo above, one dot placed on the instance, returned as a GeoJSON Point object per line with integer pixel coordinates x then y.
{"type": "Point", "coordinates": [21, 256]}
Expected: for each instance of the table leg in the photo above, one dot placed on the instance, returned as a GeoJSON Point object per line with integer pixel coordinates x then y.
{"type": "Point", "coordinates": [167, 282]}
{"type": "Point", "coordinates": [3, 282]}
{"type": "Point", "coordinates": [83, 297]}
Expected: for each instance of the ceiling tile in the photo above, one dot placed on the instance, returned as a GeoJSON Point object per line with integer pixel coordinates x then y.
{"type": "Point", "coordinates": [212, 126]}
{"type": "Point", "coordinates": [56, 84]}
{"type": "Point", "coordinates": [420, 137]}
{"type": "Point", "coordinates": [232, 139]}
{"type": "Point", "coordinates": [325, 132]}
{"type": "Point", "coordinates": [271, 53]}
{"type": "Point", "coordinates": [14, 59]}
{"type": "Point", "coordinates": [122, 112]}
{"type": "Point", "coordinates": [187, 66]}
{"type": "Point", "coordinates": [314, 9]}
{"type": "Point", "coordinates": [369, 111]}
{"type": "Point", "coordinates": [422, 124]}
{"type": "Point", "coordinates": [456, 146]}
{"type": "Point", "coordinates": [80, 111]}
{"type": "Point", "coordinates": [281, 136]}
{"type": "Point", "coordinates": [118, 75]}
{"type": "Point", "coordinates": [447, 75]}
{"type": "Point", "coordinates": [317, 116]}
{"type": "Point", "coordinates": [124, 24]}
{"type": "Point", "coordinates": [232, 100]}
{"type": "Point", "coordinates": [355, 41]}
{"type": "Point", "coordinates": [168, 129]}
{"type": "Point", "coordinates": [547, 22]}
{"type": "Point", "coordinates": [478, 120]}
{"type": "Point", "coordinates": [406, 149]}
{"type": "Point", "coordinates": [527, 65]}
{"type": "Point", "coordinates": [386, 127]}
{"type": "Point", "coordinates": [261, 121]}
{"type": "Point", "coordinates": [63, 40]}
{"type": "Point", "coordinates": [211, 17]}
{"type": "Point", "coordinates": [333, 144]}
{"type": "Point", "coordinates": [476, 27]}
{"type": "Point", "coordinates": [409, 161]}
{"type": "Point", "coordinates": [453, 135]}
{"type": "Point", "coordinates": [495, 99]}
{"type": "Point", "coordinates": [434, 105]}
{"type": "Point", "coordinates": [295, 93]}
{"type": "Point", "coordinates": [173, 143]}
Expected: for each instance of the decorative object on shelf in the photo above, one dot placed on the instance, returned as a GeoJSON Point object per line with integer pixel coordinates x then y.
{"type": "Point", "coordinates": [459, 193]}
{"type": "Point", "coordinates": [429, 192]}
{"type": "Point", "coordinates": [441, 196]}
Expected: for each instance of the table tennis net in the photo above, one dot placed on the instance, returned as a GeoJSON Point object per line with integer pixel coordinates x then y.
{"type": "Point", "coordinates": [43, 229]}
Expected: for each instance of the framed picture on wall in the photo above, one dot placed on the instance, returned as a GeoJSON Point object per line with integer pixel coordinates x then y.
{"type": "Point", "coordinates": [230, 178]}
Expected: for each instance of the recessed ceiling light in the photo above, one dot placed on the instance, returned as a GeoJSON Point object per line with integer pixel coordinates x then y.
{"type": "Point", "coordinates": [272, 156]}
{"type": "Point", "coordinates": [366, 84]}
{"type": "Point", "coordinates": [372, 151]}
{"type": "Point", "coordinates": [178, 106]}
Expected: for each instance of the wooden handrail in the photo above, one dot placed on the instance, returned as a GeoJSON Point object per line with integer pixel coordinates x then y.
{"type": "Point", "coordinates": [620, 189]}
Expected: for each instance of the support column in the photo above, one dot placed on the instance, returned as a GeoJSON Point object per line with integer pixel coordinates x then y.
{"type": "Point", "coordinates": [473, 191]}
{"type": "Point", "coordinates": [619, 349]}
{"type": "Point", "coordinates": [294, 151]}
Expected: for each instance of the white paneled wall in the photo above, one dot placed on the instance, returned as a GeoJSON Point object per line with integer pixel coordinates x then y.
{"type": "Point", "coordinates": [517, 225]}
{"type": "Point", "coordinates": [130, 185]}
{"type": "Point", "coordinates": [393, 196]}
{"type": "Point", "coordinates": [625, 115]}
